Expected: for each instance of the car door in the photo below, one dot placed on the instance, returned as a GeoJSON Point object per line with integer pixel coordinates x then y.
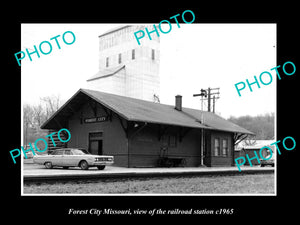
{"type": "Point", "coordinates": [56, 158]}
{"type": "Point", "coordinates": [68, 158]}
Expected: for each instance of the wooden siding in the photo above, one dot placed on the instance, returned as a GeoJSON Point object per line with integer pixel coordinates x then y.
{"type": "Point", "coordinates": [145, 147]}
{"type": "Point", "coordinates": [58, 143]}
{"type": "Point", "coordinates": [114, 138]}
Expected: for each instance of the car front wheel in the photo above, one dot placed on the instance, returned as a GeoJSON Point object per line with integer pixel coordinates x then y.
{"type": "Point", "coordinates": [84, 165]}
{"type": "Point", "coordinates": [48, 165]}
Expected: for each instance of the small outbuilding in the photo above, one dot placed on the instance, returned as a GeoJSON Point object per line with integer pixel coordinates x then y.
{"type": "Point", "coordinates": [140, 133]}
{"type": "Point", "coordinates": [248, 147]}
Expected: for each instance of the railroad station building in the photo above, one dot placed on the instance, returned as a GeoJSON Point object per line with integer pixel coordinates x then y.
{"type": "Point", "coordinates": [120, 114]}
{"type": "Point", "coordinates": [138, 132]}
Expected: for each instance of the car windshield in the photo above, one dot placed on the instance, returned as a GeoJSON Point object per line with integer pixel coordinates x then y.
{"type": "Point", "coordinates": [80, 152]}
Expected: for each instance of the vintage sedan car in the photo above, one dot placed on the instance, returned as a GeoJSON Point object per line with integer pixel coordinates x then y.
{"type": "Point", "coordinates": [72, 157]}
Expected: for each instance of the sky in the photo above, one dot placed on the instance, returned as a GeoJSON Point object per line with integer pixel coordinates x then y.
{"type": "Point", "coordinates": [192, 57]}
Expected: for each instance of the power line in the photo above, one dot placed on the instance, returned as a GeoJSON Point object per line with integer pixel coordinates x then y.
{"type": "Point", "coordinates": [209, 94]}
{"type": "Point", "coordinates": [206, 94]}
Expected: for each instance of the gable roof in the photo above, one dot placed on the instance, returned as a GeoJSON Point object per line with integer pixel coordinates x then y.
{"type": "Point", "coordinates": [138, 110]}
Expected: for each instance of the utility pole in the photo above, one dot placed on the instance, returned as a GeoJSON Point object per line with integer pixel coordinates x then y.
{"type": "Point", "coordinates": [202, 94]}
{"type": "Point", "coordinates": [211, 95]}
{"type": "Point", "coordinates": [215, 95]}
{"type": "Point", "coordinates": [214, 100]}
{"type": "Point", "coordinates": [206, 94]}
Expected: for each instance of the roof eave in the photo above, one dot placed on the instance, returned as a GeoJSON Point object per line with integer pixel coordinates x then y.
{"type": "Point", "coordinates": [52, 117]}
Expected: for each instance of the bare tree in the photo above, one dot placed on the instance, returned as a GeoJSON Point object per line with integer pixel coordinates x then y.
{"type": "Point", "coordinates": [28, 118]}
{"type": "Point", "coordinates": [261, 125]}
{"type": "Point", "coordinates": [39, 114]}
{"type": "Point", "coordinates": [35, 115]}
{"type": "Point", "coordinates": [52, 104]}
{"type": "Point", "coordinates": [250, 142]}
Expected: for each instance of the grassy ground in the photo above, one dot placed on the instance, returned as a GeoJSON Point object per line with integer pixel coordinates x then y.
{"type": "Point", "coordinates": [236, 184]}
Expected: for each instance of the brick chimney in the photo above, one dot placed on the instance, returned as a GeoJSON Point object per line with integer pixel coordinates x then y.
{"type": "Point", "coordinates": [178, 102]}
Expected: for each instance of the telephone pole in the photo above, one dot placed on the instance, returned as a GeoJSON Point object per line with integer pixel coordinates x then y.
{"type": "Point", "coordinates": [210, 94]}
{"type": "Point", "coordinates": [203, 93]}
{"type": "Point", "coordinates": [206, 94]}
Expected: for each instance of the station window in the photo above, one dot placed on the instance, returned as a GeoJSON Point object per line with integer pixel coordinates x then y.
{"type": "Point", "coordinates": [224, 147]}
{"type": "Point", "coordinates": [217, 147]}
